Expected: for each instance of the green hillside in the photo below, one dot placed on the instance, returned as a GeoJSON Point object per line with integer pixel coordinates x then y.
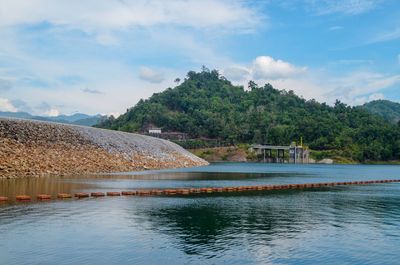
{"type": "Point", "coordinates": [389, 110]}
{"type": "Point", "coordinates": [207, 105]}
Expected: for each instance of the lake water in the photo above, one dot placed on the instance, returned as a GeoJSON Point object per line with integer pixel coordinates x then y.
{"type": "Point", "coordinates": [331, 225]}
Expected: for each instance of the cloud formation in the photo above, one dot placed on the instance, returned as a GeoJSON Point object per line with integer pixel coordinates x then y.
{"type": "Point", "coordinates": [5, 84]}
{"type": "Point", "coordinates": [21, 105]}
{"type": "Point", "coordinates": [354, 88]}
{"type": "Point", "coordinates": [150, 75]}
{"type": "Point", "coordinates": [105, 15]}
{"type": "Point", "coordinates": [51, 50]}
{"type": "Point", "coordinates": [91, 91]}
{"type": "Point", "coordinates": [6, 105]}
{"type": "Point", "coordinates": [385, 36]}
{"type": "Point", "coordinates": [52, 113]}
{"type": "Point", "coordinates": [334, 28]}
{"type": "Point", "coordinates": [237, 73]}
{"type": "Point", "coordinates": [266, 67]}
{"type": "Point", "coordinates": [47, 109]}
{"type": "Point", "coordinates": [349, 7]}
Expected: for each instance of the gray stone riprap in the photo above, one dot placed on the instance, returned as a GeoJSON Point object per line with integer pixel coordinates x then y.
{"type": "Point", "coordinates": [34, 148]}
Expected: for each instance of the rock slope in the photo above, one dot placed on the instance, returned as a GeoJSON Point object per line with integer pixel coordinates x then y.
{"type": "Point", "coordinates": [34, 148]}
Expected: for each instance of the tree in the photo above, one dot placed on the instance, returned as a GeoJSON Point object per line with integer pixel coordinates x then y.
{"type": "Point", "coordinates": [207, 105]}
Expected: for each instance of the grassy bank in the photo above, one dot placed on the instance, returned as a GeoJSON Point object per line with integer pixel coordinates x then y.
{"type": "Point", "coordinates": [240, 153]}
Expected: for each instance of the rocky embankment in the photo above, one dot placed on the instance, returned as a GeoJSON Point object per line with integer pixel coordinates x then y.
{"type": "Point", "coordinates": [33, 148]}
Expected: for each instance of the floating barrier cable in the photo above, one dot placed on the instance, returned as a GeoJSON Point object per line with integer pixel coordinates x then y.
{"type": "Point", "coordinates": [187, 191]}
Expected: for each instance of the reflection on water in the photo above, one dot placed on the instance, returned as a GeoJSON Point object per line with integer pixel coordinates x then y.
{"type": "Point", "coordinates": [34, 186]}
{"type": "Point", "coordinates": [215, 175]}
{"type": "Point", "coordinates": [333, 225]}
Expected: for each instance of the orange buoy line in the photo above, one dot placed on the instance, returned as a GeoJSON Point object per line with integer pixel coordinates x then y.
{"type": "Point", "coordinates": [64, 196]}
{"type": "Point", "coordinates": [80, 195]}
{"type": "Point", "coordinates": [187, 191]}
{"type": "Point", "coordinates": [43, 197]}
{"type": "Point", "coordinates": [97, 194]}
{"type": "Point", "coordinates": [23, 198]}
{"type": "Point", "coordinates": [113, 193]}
{"type": "Point", "coordinates": [128, 193]}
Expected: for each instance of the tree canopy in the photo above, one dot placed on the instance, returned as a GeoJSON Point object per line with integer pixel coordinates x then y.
{"type": "Point", "coordinates": [207, 105]}
{"type": "Point", "coordinates": [389, 110]}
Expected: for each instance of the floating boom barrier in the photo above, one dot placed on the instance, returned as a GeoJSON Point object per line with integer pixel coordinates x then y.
{"type": "Point", "coordinates": [188, 191]}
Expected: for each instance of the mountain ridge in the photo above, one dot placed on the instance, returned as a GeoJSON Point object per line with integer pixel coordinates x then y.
{"type": "Point", "coordinates": [77, 118]}
{"type": "Point", "coordinates": [389, 110]}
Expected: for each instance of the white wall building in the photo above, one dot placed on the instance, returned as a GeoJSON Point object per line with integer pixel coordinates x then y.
{"type": "Point", "coordinates": [155, 130]}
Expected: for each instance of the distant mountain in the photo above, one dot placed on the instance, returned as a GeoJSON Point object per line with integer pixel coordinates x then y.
{"type": "Point", "coordinates": [389, 110]}
{"type": "Point", "coordinates": [20, 115]}
{"type": "Point", "coordinates": [74, 117]}
{"type": "Point", "coordinates": [77, 119]}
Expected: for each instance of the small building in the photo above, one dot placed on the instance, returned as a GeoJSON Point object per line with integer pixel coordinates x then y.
{"type": "Point", "coordinates": [296, 154]}
{"type": "Point", "coordinates": [154, 130]}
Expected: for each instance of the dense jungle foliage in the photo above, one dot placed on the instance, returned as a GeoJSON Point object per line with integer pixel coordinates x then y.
{"type": "Point", "coordinates": [207, 105]}
{"type": "Point", "coordinates": [389, 110]}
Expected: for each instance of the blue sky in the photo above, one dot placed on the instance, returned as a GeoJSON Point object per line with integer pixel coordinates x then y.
{"type": "Point", "coordinates": [102, 56]}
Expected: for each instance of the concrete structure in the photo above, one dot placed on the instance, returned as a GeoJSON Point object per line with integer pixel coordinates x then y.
{"type": "Point", "coordinates": [154, 130]}
{"type": "Point", "coordinates": [299, 154]}
{"type": "Point", "coordinates": [296, 154]}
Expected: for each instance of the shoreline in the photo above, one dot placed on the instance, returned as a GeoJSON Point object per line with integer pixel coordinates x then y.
{"type": "Point", "coordinates": [240, 153]}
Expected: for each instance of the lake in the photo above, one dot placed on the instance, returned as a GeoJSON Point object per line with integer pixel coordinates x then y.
{"type": "Point", "coordinates": [357, 224]}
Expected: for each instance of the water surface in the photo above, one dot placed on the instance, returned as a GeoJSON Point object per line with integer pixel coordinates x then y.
{"type": "Point", "coordinates": [331, 225]}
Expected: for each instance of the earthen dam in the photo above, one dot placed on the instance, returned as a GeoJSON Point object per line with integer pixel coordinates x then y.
{"type": "Point", "coordinates": [35, 148]}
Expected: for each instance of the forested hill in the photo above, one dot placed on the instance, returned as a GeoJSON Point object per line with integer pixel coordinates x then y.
{"type": "Point", "coordinates": [389, 110]}
{"type": "Point", "coordinates": [207, 105]}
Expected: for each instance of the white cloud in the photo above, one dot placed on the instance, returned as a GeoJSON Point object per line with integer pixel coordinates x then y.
{"type": "Point", "coordinates": [127, 32]}
{"type": "Point", "coordinates": [393, 34]}
{"type": "Point", "coordinates": [237, 73]}
{"type": "Point", "coordinates": [376, 96]}
{"type": "Point", "coordinates": [5, 84]}
{"type": "Point", "coordinates": [107, 39]}
{"type": "Point", "coordinates": [361, 83]}
{"type": "Point", "coordinates": [105, 15]}
{"type": "Point", "coordinates": [6, 105]}
{"type": "Point", "coordinates": [354, 88]}
{"type": "Point", "coordinates": [354, 61]}
{"type": "Point", "coordinates": [91, 91]}
{"type": "Point", "coordinates": [21, 105]}
{"type": "Point", "coordinates": [52, 112]}
{"type": "Point", "coordinates": [150, 75]}
{"type": "Point", "coordinates": [265, 67]}
{"type": "Point", "coordinates": [114, 114]}
{"type": "Point", "coordinates": [348, 7]}
{"type": "Point", "coordinates": [334, 28]}
{"type": "Point", "coordinates": [364, 99]}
